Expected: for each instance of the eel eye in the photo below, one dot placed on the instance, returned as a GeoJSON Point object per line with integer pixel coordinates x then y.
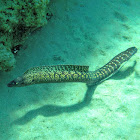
{"type": "Point", "coordinates": [16, 83]}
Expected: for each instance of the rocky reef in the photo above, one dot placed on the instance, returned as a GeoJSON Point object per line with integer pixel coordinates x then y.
{"type": "Point", "coordinates": [18, 18]}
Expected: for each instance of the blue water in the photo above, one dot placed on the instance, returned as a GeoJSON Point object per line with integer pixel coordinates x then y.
{"type": "Point", "coordinates": [88, 32]}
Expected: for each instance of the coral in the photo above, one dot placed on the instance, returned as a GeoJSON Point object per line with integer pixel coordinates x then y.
{"type": "Point", "coordinates": [18, 19]}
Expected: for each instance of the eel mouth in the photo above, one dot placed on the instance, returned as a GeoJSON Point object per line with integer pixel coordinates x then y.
{"type": "Point", "coordinates": [11, 84]}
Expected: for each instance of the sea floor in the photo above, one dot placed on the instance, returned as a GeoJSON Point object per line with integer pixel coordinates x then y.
{"type": "Point", "coordinates": [87, 32]}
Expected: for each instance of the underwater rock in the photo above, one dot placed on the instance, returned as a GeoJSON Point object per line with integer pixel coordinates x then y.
{"type": "Point", "coordinates": [18, 19]}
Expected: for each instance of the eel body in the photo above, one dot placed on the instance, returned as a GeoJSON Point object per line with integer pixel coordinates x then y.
{"type": "Point", "coordinates": [72, 73]}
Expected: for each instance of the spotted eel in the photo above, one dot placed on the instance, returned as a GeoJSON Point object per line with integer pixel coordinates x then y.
{"type": "Point", "coordinates": [72, 73]}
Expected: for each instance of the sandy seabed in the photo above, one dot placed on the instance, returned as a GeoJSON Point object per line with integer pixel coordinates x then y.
{"type": "Point", "coordinates": [87, 32]}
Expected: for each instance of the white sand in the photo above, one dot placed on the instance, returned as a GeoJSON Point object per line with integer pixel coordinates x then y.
{"type": "Point", "coordinates": [88, 32]}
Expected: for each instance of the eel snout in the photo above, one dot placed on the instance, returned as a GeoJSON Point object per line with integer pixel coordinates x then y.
{"type": "Point", "coordinates": [11, 84]}
{"type": "Point", "coordinates": [16, 82]}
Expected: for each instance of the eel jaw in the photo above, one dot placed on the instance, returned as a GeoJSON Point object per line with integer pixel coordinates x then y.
{"type": "Point", "coordinates": [18, 82]}
{"type": "Point", "coordinates": [11, 84]}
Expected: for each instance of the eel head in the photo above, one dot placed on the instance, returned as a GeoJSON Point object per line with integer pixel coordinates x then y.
{"type": "Point", "coordinates": [18, 82]}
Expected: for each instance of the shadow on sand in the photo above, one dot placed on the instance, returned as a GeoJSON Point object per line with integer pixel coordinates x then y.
{"type": "Point", "coordinates": [53, 110]}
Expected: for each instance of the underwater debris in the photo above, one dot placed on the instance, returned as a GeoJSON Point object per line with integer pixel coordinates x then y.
{"type": "Point", "coordinates": [16, 49]}
{"type": "Point", "coordinates": [49, 15]}
{"type": "Point", "coordinates": [18, 19]}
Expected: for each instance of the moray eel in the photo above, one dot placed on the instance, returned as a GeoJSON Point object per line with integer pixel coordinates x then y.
{"type": "Point", "coordinates": [72, 73]}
